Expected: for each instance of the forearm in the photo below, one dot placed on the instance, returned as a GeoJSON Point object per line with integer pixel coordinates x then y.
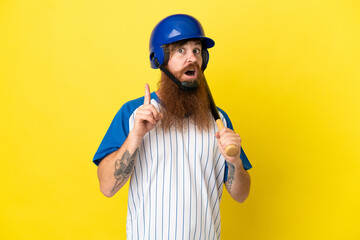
{"type": "Point", "coordinates": [238, 182]}
{"type": "Point", "coordinates": [116, 168]}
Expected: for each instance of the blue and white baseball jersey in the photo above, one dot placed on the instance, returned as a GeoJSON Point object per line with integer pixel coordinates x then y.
{"type": "Point", "coordinates": [177, 183]}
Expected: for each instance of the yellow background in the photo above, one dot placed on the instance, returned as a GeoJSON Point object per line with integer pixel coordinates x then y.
{"type": "Point", "coordinates": [287, 73]}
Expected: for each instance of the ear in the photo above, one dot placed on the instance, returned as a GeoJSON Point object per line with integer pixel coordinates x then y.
{"type": "Point", "coordinates": [205, 58]}
{"type": "Point", "coordinates": [166, 53]}
{"type": "Point", "coordinates": [157, 54]}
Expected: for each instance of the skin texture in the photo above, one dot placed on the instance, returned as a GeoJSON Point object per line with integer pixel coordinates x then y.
{"type": "Point", "coordinates": [123, 168]}
{"type": "Point", "coordinates": [238, 181]}
{"type": "Point", "coordinates": [183, 58]}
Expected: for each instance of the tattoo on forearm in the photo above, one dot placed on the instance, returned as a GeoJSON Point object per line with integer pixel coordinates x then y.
{"type": "Point", "coordinates": [231, 175]}
{"type": "Point", "coordinates": [123, 168]}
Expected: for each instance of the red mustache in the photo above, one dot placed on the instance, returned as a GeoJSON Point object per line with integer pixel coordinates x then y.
{"type": "Point", "coordinates": [191, 66]}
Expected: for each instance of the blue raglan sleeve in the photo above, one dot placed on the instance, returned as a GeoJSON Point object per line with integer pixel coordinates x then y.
{"type": "Point", "coordinates": [245, 161]}
{"type": "Point", "coordinates": [115, 135]}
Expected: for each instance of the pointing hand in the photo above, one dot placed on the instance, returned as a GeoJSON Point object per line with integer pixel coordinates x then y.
{"type": "Point", "coordinates": [146, 116]}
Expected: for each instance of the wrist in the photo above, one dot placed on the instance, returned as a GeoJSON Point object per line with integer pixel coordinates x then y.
{"type": "Point", "coordinates": [238, 165]}
{"type": "Point", "coordinates": [134, 140]}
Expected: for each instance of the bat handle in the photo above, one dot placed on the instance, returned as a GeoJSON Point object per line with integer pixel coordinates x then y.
{"type": "Point", "coordinates": [231, 150]}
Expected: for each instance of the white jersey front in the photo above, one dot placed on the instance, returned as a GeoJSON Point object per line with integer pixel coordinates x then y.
{"type": "Point", "coordinates": [176, 187]}
{"type": "Point", "coordinates": [177, 183]}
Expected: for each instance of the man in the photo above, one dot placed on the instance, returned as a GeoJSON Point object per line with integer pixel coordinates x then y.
{"type": "Point", "coordinates": [169, 147]}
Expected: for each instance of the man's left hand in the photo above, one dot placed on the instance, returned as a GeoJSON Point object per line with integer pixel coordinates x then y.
{"type": "Point", "coordinates": [227, 137]}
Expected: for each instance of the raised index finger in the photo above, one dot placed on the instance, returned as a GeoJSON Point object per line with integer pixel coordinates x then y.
{"type": "Point", "coordinates": [147, 97]}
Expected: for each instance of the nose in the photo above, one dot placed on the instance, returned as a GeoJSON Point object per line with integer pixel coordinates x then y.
{"type": "Point", "coordinates": [191, 57]}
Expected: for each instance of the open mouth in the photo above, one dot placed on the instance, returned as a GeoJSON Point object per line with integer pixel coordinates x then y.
{"type": "Point", "coordinates": [190, 73]}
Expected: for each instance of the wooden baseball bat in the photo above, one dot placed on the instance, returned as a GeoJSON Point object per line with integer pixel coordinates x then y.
{"type": "Point", "coordinates": [231, 150]}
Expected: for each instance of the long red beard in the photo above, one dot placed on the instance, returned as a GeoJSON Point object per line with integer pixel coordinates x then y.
{"type": "Point", "coordinates": [178, 106]}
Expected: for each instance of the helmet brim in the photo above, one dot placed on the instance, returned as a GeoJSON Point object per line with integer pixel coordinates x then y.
{"type": "Point", "coordinates": [209, 43]}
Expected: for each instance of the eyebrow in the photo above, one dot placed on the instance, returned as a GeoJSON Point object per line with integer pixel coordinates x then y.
{"type": "Point", "coordinates": [178, 45]}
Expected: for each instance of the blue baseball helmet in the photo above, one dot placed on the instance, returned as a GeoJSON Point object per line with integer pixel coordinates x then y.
{"type": "Point", "coordinates": [176, 28]}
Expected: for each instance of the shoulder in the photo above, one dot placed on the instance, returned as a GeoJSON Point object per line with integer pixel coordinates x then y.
{"type": "Point", "coordinates": [225, 118]}
{"type": "Point", "coordinates": [130, 106]}
{"type": "Point", "coordinates": [222, 112]}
